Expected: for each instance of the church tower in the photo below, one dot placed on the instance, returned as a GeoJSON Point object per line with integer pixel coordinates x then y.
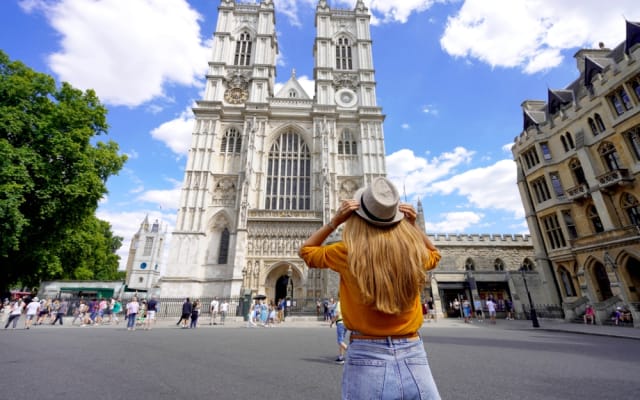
{"type": "Point", "coordinates": [145, 253]}
{"type": "Point", "coordinates": [267, 169]}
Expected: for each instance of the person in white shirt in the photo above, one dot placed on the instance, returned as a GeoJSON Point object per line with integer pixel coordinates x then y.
{"type": "Point", "coordinates": [491, 307]}
{"type": "Point", "coordinates": [132, 311]}
{"type": "Point", "coordinates": [32, 312]}
{"type": "Point", "coordinates": [224, 309]}
{"type": "Point", "coordinates": [214, 310]}
{"type": "Point", "coordinates": [15, 310]}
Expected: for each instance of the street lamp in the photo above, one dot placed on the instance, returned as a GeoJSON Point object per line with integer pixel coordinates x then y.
{"type": "Point", "coordinates": [532, 309]}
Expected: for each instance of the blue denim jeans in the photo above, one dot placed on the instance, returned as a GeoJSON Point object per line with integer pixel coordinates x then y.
{"type": "Point", "coordinates": [131, 321]}
{"type": "Point", "coordinates": [388, 369]}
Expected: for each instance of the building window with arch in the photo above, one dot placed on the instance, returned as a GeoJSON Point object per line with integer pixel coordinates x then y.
{"type": "Point", "coordinates": [344, 60]}
{"type": "Point", "coordinates": [553, 232]}
{"type": "Point", "coordinates": [578, 172]}
{"type": "Point", "coordinates": [498, 265]}
{"type": "Point", "coordinates": [592, 126]}
{"type": "Point", "coordinates": [288, 174]}
{"type": "Point", "coordinates": [633, 139]}
{"type": "Point", "coordinates": [600, 123]}
{"type": "Point", "coordinates": [567, 282]}
{"type": "Point", "coordinates": [243, 50]}
{"type": "Point", "coordinates": [231, 141]}
{"type": "Point", "coordinates": [293, 94]}
{"type": "Point", "coordinates": [620, 101]}
{"type": "Point", "coordinates": [569, 138]}
{"type": "Point", "coordinates": [527, 265]}
{"type": "Point", "coordinates": [631, 207]}
{"type": "Point", "coordinates": [530, 157]}
{"type": "Point", "coordinates": [223, 250]}
{"type": "Point", "coordinates": [469, 265]}
{"type": "Point", "coordinates": [593, 216]}
{"type": "Point", "coordinates": [347, 145]}
{"type": "Point", "coordinates": [609, 156]}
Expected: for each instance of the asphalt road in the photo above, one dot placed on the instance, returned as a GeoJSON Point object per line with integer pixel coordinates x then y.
{"type": "Point", "coordinates": [474, 362]}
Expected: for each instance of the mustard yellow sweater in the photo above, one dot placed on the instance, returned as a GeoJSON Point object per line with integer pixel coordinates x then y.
{"type": "Point", "coordinates": [356, 315]}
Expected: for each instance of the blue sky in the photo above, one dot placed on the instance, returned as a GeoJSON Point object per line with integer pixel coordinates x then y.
{"type": "Point", "coordinates": [451, 78]}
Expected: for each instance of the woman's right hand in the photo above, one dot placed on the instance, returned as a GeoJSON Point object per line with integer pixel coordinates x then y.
{"type": "Point", "coordinates": [347, 207]}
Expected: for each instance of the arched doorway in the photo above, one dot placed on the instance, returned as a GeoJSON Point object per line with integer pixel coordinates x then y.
{"type": "Point", "coordinates": [281, 288]}
{"type": "Point", "coordinates": [603, 285]}
{"type": "Point", "coordinates": [632, 269]}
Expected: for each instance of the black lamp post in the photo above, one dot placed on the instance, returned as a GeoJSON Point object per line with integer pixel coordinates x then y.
{"type": "Point", "coordinates": [532, 309]}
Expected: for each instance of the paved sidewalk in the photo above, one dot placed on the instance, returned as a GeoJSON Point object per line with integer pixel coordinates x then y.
{"type": "Point", "coordinates": [551, 325]}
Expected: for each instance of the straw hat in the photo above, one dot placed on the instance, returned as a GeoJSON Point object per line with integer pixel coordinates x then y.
{"type": "Point", "coordinates": [379, 203]}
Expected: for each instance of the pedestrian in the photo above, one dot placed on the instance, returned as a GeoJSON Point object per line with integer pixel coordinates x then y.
{"type": "Point", "coordinates": [132, 311]}
{"type": "Point", "coordinates": [186, 314]}
{"type": "Point", "coordinates": [32, 310]}
{"type": "Point", "coordinates": [456, 308]}
{"type": "Point", "coordinates": [477, 306]}
{"type": "Point", "coordinates": [195, 312]}
{"type": "Point", "coordinates": [224, 310]}
{"type": "Point", "coordinates": [381, 260]}
{"type": "Point", "coordinates": [152, 308]}
{"type": "Point", "coordinates": [213, 309]}
{"type": "Point", "coordinates": [491, 308]}
{"type": "Point", "coordinates": [61, 311]}
{"type": "Point", "coordinates": [15, 311]}
{"type": "Point", "coordinates": [117, 309]}
{"type": "Point", "coordinates": [432, 310]}
{"type": "Point", "coordinates": [341, 332]}
{"type": "Point", "coordinates": [589, 315]}
{"type": "Point", "coordinates": [508, 305]}
{"type": "Point", "coordinates": [466, 310]}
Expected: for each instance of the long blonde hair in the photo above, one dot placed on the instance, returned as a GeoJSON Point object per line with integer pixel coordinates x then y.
{"type": "Point", "coordinates": [387, 263]}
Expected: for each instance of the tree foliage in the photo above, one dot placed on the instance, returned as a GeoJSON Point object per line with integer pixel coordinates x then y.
{"type": "Point", "coordinates": [53, 172]}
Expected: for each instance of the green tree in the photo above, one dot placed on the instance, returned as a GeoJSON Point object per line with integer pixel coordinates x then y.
{"type": "Point", "coordinates": [53, 172]}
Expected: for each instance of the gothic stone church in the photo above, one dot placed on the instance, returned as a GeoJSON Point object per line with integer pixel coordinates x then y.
{"type": "Point", "coordinates": [266, 169]}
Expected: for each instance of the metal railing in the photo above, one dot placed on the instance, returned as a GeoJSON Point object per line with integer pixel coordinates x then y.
{"type": "Point", "coordinates": [544, 311]}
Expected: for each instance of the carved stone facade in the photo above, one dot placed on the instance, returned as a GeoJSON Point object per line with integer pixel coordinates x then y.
{"type": "Point", "coordinates": [267, 169]}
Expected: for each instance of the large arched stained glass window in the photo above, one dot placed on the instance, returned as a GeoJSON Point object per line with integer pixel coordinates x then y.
{"type": "Point", "coordinates": [288, 174]}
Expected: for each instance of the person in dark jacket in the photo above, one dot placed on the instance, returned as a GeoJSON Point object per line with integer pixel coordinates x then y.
{"type": "Point", "coordinates": [186, 313]}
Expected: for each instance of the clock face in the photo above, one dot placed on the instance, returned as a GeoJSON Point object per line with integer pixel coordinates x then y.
{"type": "Point", "coordinates": [143, 265]}
{"type": "Point", "coordinates": [346, 98]}
{"type": "Point", "coordinates": [236, 96]}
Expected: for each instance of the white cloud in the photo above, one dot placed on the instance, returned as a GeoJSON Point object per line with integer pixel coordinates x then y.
{"type": "Point", "coordinates": [163, 46]}
{"type": "Point", "coordinates": [166, 199]}
{"type": "Point", "coordinates": [416, 174]}
{"type": "Point", "coordinates": [405, 126]}
{"type": "Point", "coordinates": [492, 187]}
{"type": "Point", "coordinates": [530, 34]}
{"type": "Point", "coordinates": [176, 134]}
{"type": "Point", "coordinates": [454, 222]}
{"type": "Point", "coordinates": [385, 11]}
{"type": "Point", "coordinates": [430, 109]}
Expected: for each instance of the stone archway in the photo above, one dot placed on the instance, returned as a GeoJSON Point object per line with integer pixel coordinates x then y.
{"type": "Point", "coordinates": [632, 272]}
{"type": "Point", "coordinates": [602, 284]}
{"type": "Point", "coordinates": [279, 280]}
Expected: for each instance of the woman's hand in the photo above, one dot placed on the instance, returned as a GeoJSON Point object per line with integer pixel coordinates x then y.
{"type": "Point", "coordinates": [347, 207]}
{"type": "Point", "coordinates": [409, 212]}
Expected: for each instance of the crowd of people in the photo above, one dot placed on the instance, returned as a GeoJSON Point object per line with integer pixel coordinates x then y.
{"type": "Point", "coordinates": [82, 312]}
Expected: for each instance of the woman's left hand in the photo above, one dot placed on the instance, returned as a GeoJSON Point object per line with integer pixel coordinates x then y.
{"type": "Point", "coordinates": [409, 212]}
